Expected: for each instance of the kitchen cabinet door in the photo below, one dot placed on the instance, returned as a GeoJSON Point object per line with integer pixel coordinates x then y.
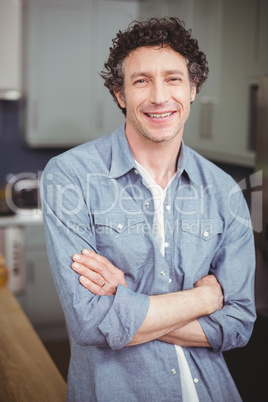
{"type": "Point", "coordinates": [57, 73]}
{"type": "Point", "coordinates": [10, 49]}
{"type": "Point", "coordinates": [218, 126]}
{"type": "Point", "coordinates": [110, 16]}
{"type": "Point", "coordinates": [43, 305]}
{"type": "Point", "coordinates": [257, 37]}
{"type": "Point", "coordinates": [41, 302]}
{"type": "Point", "coordinates": [66, 43]}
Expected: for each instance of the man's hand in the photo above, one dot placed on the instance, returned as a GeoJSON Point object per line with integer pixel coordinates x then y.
{"type": "Point", "coordinates": [215, 293]}
{"type": "Point", "coordinates": [97, 274]}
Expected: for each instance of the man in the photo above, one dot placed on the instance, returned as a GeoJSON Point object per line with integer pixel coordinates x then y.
{"type": "Point", "coordinates": [163, 261]}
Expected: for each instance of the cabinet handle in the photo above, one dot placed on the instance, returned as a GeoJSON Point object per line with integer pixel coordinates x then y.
{"type": "Point", "coordinates": [253, 95]}
{"type": "Point", "coordinates": [30, 272]}
{"type": "Point", "coordinates": [206, 117]}
{"type": "Point", "coordinates": [35, 114]}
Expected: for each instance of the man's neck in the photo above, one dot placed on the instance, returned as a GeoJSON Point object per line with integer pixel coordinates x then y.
{"type": "Point", "coordinates": [159, 159]}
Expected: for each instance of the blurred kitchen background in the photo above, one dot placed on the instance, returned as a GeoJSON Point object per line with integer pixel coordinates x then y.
{"type": "Point", "coordinates": [52, 98]}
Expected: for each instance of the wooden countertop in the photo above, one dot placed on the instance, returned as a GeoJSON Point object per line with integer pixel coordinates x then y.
{"type": "Point", "coordinates": [27, 372]}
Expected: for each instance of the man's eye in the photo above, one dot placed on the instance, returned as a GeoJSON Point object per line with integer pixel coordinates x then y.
{"type": "Point", "coordinates": [174, 79]}
{"type": "Point", "coordinates": [140, 81]}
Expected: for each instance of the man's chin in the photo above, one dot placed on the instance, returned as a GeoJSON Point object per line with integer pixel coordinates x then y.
{"type": "Point", "coordinates": [160, 137]}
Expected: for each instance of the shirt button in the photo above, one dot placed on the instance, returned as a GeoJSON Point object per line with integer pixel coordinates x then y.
{"type": "Point", "coordinates": [196, 380]}
{"type": "Point", "coordinates": [166, 244]}
{"type": "Point", "coordinates": [136, 171]}
{"type": "Point", "coordinates": [173, 371]}
{"type": "Point", "coordinates": [170, 280]}
{"type": "Point", "coordinates": [168, 207]}
{"type": "Point", "coordinates": [119, 226]}
{"type": "Point", "coordinates": [147, 205]}
{"type": "Point", "coordinates": [163, 273]}
{"type": "Point", "coordinates": [206, 234]}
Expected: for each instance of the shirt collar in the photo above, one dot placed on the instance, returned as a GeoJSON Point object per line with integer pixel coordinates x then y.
{"type": "Point", "coordinates": [123, 160]}
{"type": "Point", "coordinates": [122, 157]}
{"type": "Point", "coordinates": [188, 163]}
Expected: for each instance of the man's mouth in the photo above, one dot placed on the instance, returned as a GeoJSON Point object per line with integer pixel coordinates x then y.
{"type": "Point", "coordinates": [159, 115]}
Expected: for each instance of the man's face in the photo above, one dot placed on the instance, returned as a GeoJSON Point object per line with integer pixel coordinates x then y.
{"type": "Point", "coordinates": [157, 94]}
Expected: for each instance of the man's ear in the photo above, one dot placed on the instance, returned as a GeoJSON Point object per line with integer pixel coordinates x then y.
{"type": "Point", "coordinates": [120, 99]}
{"type": "Point", "coordinates": [193, 93]}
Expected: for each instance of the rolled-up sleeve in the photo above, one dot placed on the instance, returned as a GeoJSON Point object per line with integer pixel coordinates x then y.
{"type": "Point", "coordinates": [109, 321]}
{"type": "Point", "coordinates": [234, 266]}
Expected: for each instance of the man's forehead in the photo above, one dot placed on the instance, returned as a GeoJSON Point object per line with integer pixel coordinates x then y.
{"type": "Point", "coordinates": [145, 59]}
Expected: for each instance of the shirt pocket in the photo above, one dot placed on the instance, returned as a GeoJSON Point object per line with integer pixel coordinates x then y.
{"type": "Point", "coordinates": [199, 241]}
{"type": "Point", "coordinates": [120, 238]}
{"type": "Point", "coordinates": [202, 229]}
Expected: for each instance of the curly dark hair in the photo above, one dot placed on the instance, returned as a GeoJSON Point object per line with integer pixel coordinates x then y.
{"type": "Point", "coordinates": [160, 32]}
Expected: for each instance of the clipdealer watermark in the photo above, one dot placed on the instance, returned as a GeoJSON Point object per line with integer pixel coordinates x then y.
{"type": "Point", "coordinates": [67, 201]}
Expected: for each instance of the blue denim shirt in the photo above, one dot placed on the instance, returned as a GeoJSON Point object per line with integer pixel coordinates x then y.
{"type": "Point", "coordinates": [93, 197]}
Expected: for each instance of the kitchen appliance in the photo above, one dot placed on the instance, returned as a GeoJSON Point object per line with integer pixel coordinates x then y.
{"type": "Point", "coordinates": [12, 248]}
{"type": "Point", "coordinates": [22, 194]}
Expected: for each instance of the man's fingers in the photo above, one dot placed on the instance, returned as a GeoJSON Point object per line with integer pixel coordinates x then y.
{"type": "Point", "coordinates": [93, 264]}
{"type": "Point", "coordinates": [92, 287]}
{"type": "Point", "coordinates": [87, 273]}
{"type": "Point", "coordinates": [96, 270]}
{"type": "Point", "coordinates": [99, 258]}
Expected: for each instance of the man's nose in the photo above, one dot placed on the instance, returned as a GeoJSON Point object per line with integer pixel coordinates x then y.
{"type": "Point", "coordinates": [159, 93]}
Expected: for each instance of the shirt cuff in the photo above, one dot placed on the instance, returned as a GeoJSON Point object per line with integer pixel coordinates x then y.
{"type": "Point", "coordinates": [124, 318]}
{"type": "Point", "coordinates": [212, 330]}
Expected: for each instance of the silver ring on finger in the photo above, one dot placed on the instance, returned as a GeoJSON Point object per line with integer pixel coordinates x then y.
{"type": "Point", "coordinates": [104, 283]}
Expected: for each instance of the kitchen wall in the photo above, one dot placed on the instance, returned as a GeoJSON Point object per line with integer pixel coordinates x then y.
{"type": "Point", "coordinates": [15, 157]}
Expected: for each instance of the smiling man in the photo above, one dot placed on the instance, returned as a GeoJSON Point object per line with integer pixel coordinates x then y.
{"type": "Point", "coordinates": [150, 244]}
{"type": "Point", "coordinates": [157, 94]}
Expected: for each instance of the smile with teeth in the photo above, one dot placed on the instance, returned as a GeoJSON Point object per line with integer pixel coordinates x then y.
{"type": "Point", "coordinates": [159, 115]}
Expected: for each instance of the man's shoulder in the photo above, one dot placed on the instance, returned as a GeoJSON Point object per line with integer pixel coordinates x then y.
{"type": "Point", "coordinates": [91, 150]}
{"type": "Point", "coordinates": [93, 156]}
{"type": "Point", "coordinates": [207, 172]}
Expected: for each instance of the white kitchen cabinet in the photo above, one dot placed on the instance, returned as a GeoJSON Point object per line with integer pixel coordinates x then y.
{"type": "Point", "coordinates": [43, 306]}
{"type": "Point", "coordinates": [57, 72]}
{"type": "Point", "coordinates": [22, 241]}
{"type": "Point", "coordinates": [42, 303]}
{"type": "Point", "coordinates": [110, 16]}
{"type": "Point", "coordinates": [10, 49]}
{"type": "Point", "coordinates": [257, 38]}
{"type": "Point", "coordinates": [233, 35]}
{"type": "Point", "coordinates": [219, 123]}
{"type": "Point", "coordinates": [65, 42]}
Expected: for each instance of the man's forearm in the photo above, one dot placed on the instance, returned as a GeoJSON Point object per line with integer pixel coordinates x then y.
{"type": "Point", "coordinates": [168, 313]}
{"type": "Point", "coordinates": [171, 317]}
{"type": "Point", "coordinates": [189, 335]}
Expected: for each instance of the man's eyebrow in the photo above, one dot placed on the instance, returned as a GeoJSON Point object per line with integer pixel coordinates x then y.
{"type": "Point", "coordinates": [139, 74]}
{"type": "Point", "coordinates": [148, 74]}
{"type": "Point", "coordinates": [175, 72]}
